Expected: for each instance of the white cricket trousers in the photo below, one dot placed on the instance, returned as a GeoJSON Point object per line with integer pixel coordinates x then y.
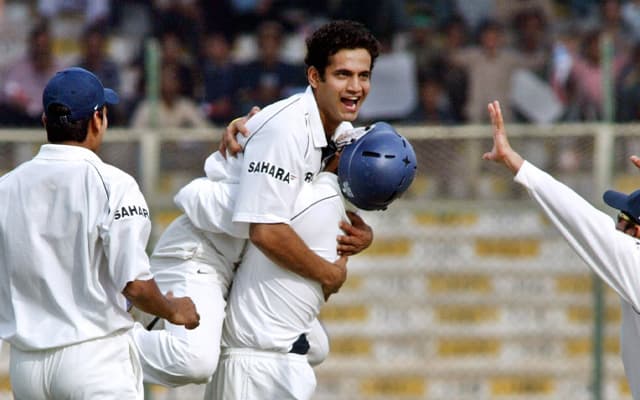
{"type": "Point", "coordinates": [248, 374]}
{"type": "Point", "coordinates": [102, 369]}
{"type": "Point", "coordinates": [188, 264]}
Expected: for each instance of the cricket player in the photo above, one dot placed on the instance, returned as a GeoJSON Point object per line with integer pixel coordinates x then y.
{"type": "Point", "coordinates": [73, 232]}
{"type": "Point", "coordinates": [284, 151]}
{"type": "Point", "coordinates": [281, 156]}
{"type": "Point", "coordinates": [610, 248]}
{"type": "Point", "coordinates": [199, 259]}
{"type": "Point", "coordinates": [270, 309]}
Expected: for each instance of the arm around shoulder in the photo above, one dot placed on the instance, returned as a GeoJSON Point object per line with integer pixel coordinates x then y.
{"type": "Point", "coordinates": [282, 245]}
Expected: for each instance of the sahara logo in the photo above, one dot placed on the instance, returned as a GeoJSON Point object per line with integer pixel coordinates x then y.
{"type": "Point", "coordinates": [265, 167]}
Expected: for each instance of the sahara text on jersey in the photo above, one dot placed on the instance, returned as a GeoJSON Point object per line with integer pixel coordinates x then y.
{"type": "Point", "coordinates": [264, 167]}
{"type": "Point", "coordinates": [129, 211]}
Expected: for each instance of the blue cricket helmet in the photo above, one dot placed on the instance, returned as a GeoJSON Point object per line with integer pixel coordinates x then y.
{"type": "Point", "coordinates": [377, 168]}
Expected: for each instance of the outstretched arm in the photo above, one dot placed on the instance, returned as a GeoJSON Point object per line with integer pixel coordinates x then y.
{"type": "Point", "coordinates": [611, 254]}
{"type": "Point", "coordinates": [501, 151]}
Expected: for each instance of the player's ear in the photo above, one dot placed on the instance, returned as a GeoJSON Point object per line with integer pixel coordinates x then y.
{"type": "Point", "coordinates": [313, 76]}
{"type": "Point", "coordinates": [97, 119]}
{"type": "Point", "coordinates": [636, 231]}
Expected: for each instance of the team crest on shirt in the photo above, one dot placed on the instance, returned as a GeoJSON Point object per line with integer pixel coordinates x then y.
{"type": "Point", "coordinates": [130, 211]}
{"type": "Point", "coordinates": [265, 167]}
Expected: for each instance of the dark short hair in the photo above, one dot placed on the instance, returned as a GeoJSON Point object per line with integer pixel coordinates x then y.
{"type": "Point", "coordinates": [335, 36]}
{"type": "Point", "coordinates": [487, 25]}
{"type": "Point", "coordinates": [60, 128]}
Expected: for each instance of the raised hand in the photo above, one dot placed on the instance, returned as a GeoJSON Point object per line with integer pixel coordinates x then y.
{"type": "Point", "coordinates": [501, 151]}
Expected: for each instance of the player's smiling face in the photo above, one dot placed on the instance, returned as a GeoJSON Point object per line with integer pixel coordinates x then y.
{"type": "Point", "coordinates": [343, 88]}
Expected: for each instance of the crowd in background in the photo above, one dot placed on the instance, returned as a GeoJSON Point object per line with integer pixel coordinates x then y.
{"type": "Point", "coordinates": [219, 58]}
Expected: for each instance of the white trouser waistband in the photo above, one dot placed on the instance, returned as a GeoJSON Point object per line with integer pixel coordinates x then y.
{"type": "Point", "coordinates": [243, 351]}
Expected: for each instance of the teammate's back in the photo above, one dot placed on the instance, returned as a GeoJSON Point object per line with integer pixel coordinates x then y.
{"type": "Point", "coordinates": [53, 226]}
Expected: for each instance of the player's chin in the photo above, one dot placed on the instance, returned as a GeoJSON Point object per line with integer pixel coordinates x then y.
{"type": "Point", "coordinates": [349, 116]}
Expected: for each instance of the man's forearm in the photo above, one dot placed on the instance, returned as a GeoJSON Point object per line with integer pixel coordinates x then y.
{"type": "Point", "coordinates": [146, 296]}
{"type": "Point", "coordinates": [284, 247]}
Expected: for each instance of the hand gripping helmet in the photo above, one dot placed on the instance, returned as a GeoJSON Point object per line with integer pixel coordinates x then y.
{"type": "Point", "coordinates": [377, 168]}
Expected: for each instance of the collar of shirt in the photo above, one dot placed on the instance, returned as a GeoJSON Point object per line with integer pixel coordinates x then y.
{"type": "Point", "coordinates": [66, 152]}
{"type": "Point", "coordinates": [312, 113]}
{"type": "Point", "coordinates": [312, 119]}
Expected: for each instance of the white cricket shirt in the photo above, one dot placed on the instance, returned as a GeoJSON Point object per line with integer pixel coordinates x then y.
{"type": "Point", "coordinates": [611, 254]}
{"type": "Point", "coordinates": [282, 154]}
{"type": "Point", "coordinates": [269, 306]}
{"type": "Point", "coordinates": [73, 232]}
{"type": "Point", "coordinates": [208, 201]}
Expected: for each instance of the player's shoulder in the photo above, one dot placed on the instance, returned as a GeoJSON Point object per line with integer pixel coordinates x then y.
{"type": "Point", "coordinates": [321, 199]}
{"type": "Point", "coordinates": [112, 176]}
{"type": "Point", "coordinates": [326, 183]}
{"type": "Point", "coordinates": [280, 117]}
{"type": "Point", "coordinates": [325, 188]}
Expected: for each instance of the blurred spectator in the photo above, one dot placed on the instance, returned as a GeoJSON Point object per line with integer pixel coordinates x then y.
{"type": "Point", "coordinates": [173, 109]}
{"type": "Point", "coordinates": [385, 19]}
{"type": "Point", "coordinates": [423, 39]}
{"type": "Point", "coordinates": [95, 11]}
{"type": "Point", "coordinates": [447, 163]}
{"type": "Point", "coordinates": [174, 53]}
{"type": "Point", "coordinates": [26, 78]}
{"type": "Point", "coordinates": [611, 23]}
{"type": "Point", "coordinates": [628, 102]}
{"type": "Point", "coordinates": [433, 104]}
{"type": "Point", "coordinates": [508, 10]}
{"type": "Point", "coordinates": [296, 15]}
{"type": "Point", "coordinates": [267, 78]}
{"type": "Point", "coordinates": [247, 14]}
{"type": "Point", "coordinates": [531, 41]}
{"type": "Point", "coordinates": [218, 72]}
{"type": "Point", "coordinates": [581, 9]}
{"type": "Point", "coordinates": [564, 48]}
{"type": "Point", "coordinates": [583, 90]}
{"type": "Point", "coordinates": [475, 12]}
{"type": "Point", "coordinates": [181, 17]}
{"type": "Point", "coordinates": [96, 59]}
{"type": "Point", "coordinates": [530, 28]}
{"type": "Point", "coordinates": [628, 89]}
{"type": "Point", "coordinates": [217, 17]}
{"type": "Point", "coordinates": [454, 77]}
{"type": "Point", "coordinates": [490, 67]}
{"type": "Point", "coordinates": [631, 17]}
{"type": "Point", "coordinates": [440, 10]}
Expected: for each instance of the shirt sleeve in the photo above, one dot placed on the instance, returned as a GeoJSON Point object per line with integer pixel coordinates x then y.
{"type": "Point", "coordinates": [125, 234]}
{"type": "Point", "coordinates": [611, 254]}
{"type": "Point", "coordinates": [209, 206]}
{"type": "Point", "coordinates": [271, 176]}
